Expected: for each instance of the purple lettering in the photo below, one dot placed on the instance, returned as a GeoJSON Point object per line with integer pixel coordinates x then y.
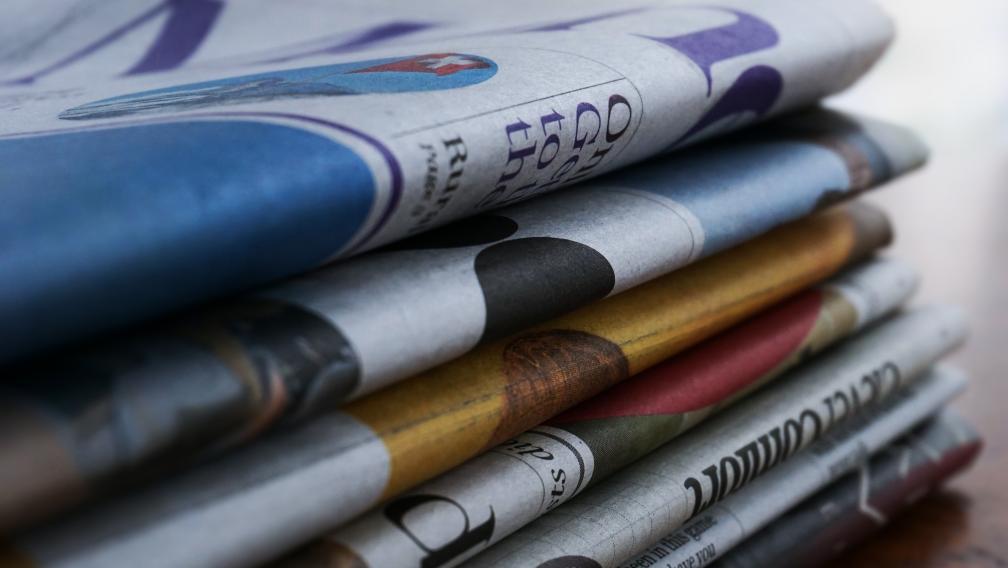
{"type": "Point", "coordinates": [755, 90]}
{"type": "Point", "coordinates": [707, 47]}
{"type": "Point", "coordinates": [614, 100]}
{"type": "Point", "coordinates": [517, 154]}
{"type": "Point", "coordinates": [189, 22]}
{"type": "Point", "coordinates": [579, 140]}
{"type": "Point", "coordinates": [552, 140]}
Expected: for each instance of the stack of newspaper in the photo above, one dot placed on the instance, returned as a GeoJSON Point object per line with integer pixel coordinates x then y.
{"type": "Point", "coordinates": [289, 283]}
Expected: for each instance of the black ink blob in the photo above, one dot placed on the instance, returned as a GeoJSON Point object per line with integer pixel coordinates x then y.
{"type": "Point", "coordinates": [527, 281]}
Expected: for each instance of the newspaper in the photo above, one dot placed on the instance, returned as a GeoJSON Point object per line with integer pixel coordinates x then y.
{"type": "Point", "coordinates": [279, 492]}
{"type": "Point", "coordinates": [509, 486]}
{"type": "Point", "coordinates": [303, 347]}
{"type": "Point", "coordinates": [195, 148]}
{"type": "Point", "coordinates": [862, 502]}
{"type": "Point", "coordinates": [620, 517]}
{"type": "Point", "coordinates": [714, 532]}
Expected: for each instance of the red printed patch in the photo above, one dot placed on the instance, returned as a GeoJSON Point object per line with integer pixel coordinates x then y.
{"type": "Point", "coordinates": [711, 371]}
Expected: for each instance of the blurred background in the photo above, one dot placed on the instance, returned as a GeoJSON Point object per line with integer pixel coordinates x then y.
{"type": "Point", "coordinates": [946, 76]}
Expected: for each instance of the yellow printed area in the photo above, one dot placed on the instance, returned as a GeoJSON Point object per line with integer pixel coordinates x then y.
{"type": "Point", "coordinates": [657, 319]}
{"type": "Point", "coordinates": [438, 419]}
{"type": "Point", "coordinates": [442, 417]}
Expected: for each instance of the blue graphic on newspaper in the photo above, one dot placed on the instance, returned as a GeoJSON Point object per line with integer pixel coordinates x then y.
{"type": "Point", "coordinates": [429, 72]}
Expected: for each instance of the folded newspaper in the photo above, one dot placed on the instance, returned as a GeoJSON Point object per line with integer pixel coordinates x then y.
{"type": "Point", "coordinates": [860, 504]}
{"type": "Point", "coordinates": [294, 350]}
{"type": "Point", "coordinates": [947, 444]}
{"type": "Point", "coordinates": [509, 486]}
{"type": "Point", "coordinates": [365, 333]}
{"type": "Point", "coordinates": [281, 491]}
{"type": "Point", "coordinates": [619, 518]}
{"type": "Point", "coordinates": [157, 153]}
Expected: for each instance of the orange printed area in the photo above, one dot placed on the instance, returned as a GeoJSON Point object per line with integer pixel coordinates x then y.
{"type": "Point", "coordinates": [657, 319]}
{"type": "Point", "coordinates": [437, 419]}
{"type": "Point", "coordinates": [447, 415]}
{"type": "Point", "coordinates": [442, 417]}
